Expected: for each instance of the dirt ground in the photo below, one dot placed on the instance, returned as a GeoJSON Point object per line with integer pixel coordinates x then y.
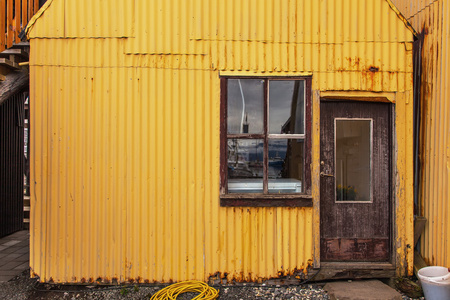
{"type": "Point", "coordinates": [24, 288]}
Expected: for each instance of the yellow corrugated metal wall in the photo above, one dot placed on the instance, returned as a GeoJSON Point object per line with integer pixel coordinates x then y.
{"type": "Point", "coordinates": [432, 19]}
{"type": "Point", "coordinates": [125, 128]}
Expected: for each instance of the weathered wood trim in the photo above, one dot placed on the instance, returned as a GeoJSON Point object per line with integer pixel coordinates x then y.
{"type": "Point", "coordinates": [387, 97]}
{"type": "Point", "coordinates": [266, 140]}
{"type": "Point", "coordinates": [260, 200]}
{"type": "Point", "coordinates": [13, 83]}
{"type": "Point", "coordinates": [419, 225]}
{"type": "Point", "coordinates": [9, 64]}
{"type": "Point", "coordinates": [337, 271]}
{"type": "Point", "coordinates": [307, 150]}
{"type": "Point", "coordinates": [315, 178]}
{"type": "Point", "coordinates": [223, 136]}
{"type": "Point", "coordinates": [14, 51]}
{"type": "Point", "coordinates": [419, 262]}
{"type": "Point", "coordinates": [245, 136]}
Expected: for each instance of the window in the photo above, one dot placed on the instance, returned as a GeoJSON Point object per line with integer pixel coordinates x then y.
{"type": "Point", "coordinates": [265, 141]}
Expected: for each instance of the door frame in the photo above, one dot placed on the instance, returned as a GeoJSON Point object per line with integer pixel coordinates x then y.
{"type": "Point", "coordinates": [344, 270]}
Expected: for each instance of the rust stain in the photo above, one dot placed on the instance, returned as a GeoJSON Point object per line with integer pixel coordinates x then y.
{"type": "Point", "coordinates": [298, 273]}
{"type": "Point", "coordinates": [354, 63]}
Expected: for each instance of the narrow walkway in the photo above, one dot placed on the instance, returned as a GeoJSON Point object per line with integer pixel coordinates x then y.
{"type": "Point", "coordinates": [14, 254]}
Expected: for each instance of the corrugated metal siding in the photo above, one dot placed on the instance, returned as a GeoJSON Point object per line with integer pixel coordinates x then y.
{"type": "Point", "coordinates": [432, 19]}
{"type": "Point", "coordinates": [126, 156]}
{"type": "Point", "coordinates": [87, 19]}
{"type": "Point", "coordinates": [11, 164]}
{"type": "Point", "coordinates": [412, 9]}
{"type": "Point", "coordinates": [132, 179]}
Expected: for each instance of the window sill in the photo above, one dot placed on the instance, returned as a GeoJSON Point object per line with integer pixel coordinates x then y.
{"type": "Point", "coordinates": [259, 200]}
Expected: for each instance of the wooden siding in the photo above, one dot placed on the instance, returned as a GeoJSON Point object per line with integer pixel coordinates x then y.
{"type": "Point", "coordinates": [14, 17]}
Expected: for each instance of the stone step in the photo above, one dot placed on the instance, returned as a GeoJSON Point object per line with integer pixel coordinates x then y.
{"type": "Point", "coordinates": [361, 290]}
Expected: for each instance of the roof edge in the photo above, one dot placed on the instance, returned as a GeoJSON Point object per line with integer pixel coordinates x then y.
{"type": "Point", "coordinates": [402, 18]}
{"type": "Point", "coordinates": [34, 19]}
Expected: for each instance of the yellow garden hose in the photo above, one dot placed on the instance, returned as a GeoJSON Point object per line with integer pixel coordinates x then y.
{"type": "Point", "coordinates": [172, 291]}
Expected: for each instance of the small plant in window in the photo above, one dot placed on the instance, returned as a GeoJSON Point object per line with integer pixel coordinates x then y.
{"type": "Point", "coordinates": [346, 193]}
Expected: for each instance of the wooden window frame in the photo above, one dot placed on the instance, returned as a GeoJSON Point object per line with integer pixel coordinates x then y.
{"type": "Point", "coordinates": [265, 199]}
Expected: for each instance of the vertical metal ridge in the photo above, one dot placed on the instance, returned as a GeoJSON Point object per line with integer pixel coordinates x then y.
{"type": "Point", "coordinates": [131, 139]}
{"type": "Point", "coordinates": [431, 19]}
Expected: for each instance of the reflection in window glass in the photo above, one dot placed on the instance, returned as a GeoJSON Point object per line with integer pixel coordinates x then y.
{"type": "Point", "coordinates": [245, 165]}
{"type": "Point", "coordinates": [285, 165]}
{"type": "Point", "coordinates": [245, 158]}
{"type": "Point", "coordinates": [245, 106]}
{"type": "Point", "coordinates": [353, 160]}
{"type": "Point", "coordinates": [286, 107]}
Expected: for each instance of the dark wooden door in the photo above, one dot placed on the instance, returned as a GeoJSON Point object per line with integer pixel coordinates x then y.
{"type": "Point", "coordinates": [355, 185]}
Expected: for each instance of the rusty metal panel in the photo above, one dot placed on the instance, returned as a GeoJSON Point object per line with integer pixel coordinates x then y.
{"type": "Point", "coordinates": [126, 134]}
{"type": "Point", "coordinates": [431, 19]}
{"type": "Point", "coordinates": [11, 164]}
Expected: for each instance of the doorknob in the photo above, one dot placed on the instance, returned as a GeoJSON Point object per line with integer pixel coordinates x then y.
{"type": "Point", "coordinates": [322, 174]}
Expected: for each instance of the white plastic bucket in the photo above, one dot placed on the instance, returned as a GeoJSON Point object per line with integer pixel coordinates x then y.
{"type": "Point", "coordinates": [435, 283]}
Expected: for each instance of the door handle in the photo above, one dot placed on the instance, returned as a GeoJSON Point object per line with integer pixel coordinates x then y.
{"type": "Point", "coordinates": [322, 174]}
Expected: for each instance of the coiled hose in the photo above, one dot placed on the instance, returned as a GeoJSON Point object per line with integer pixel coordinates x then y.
{"type": "Point", "coordinates": [172, 291]}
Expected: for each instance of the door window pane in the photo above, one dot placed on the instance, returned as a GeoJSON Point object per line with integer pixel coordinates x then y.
{"type": "Point", "coordinates": [353, 167]}
{"type": "Point", "coordinates": [245, 98]}
{"type": "Point", "coordinates": [286, 107]}
{"type": "Point", "coordinates": [285, 165]}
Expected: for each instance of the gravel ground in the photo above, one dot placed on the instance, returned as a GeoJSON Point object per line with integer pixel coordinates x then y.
{"type": "Point", "coordinates": [24, 288]}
